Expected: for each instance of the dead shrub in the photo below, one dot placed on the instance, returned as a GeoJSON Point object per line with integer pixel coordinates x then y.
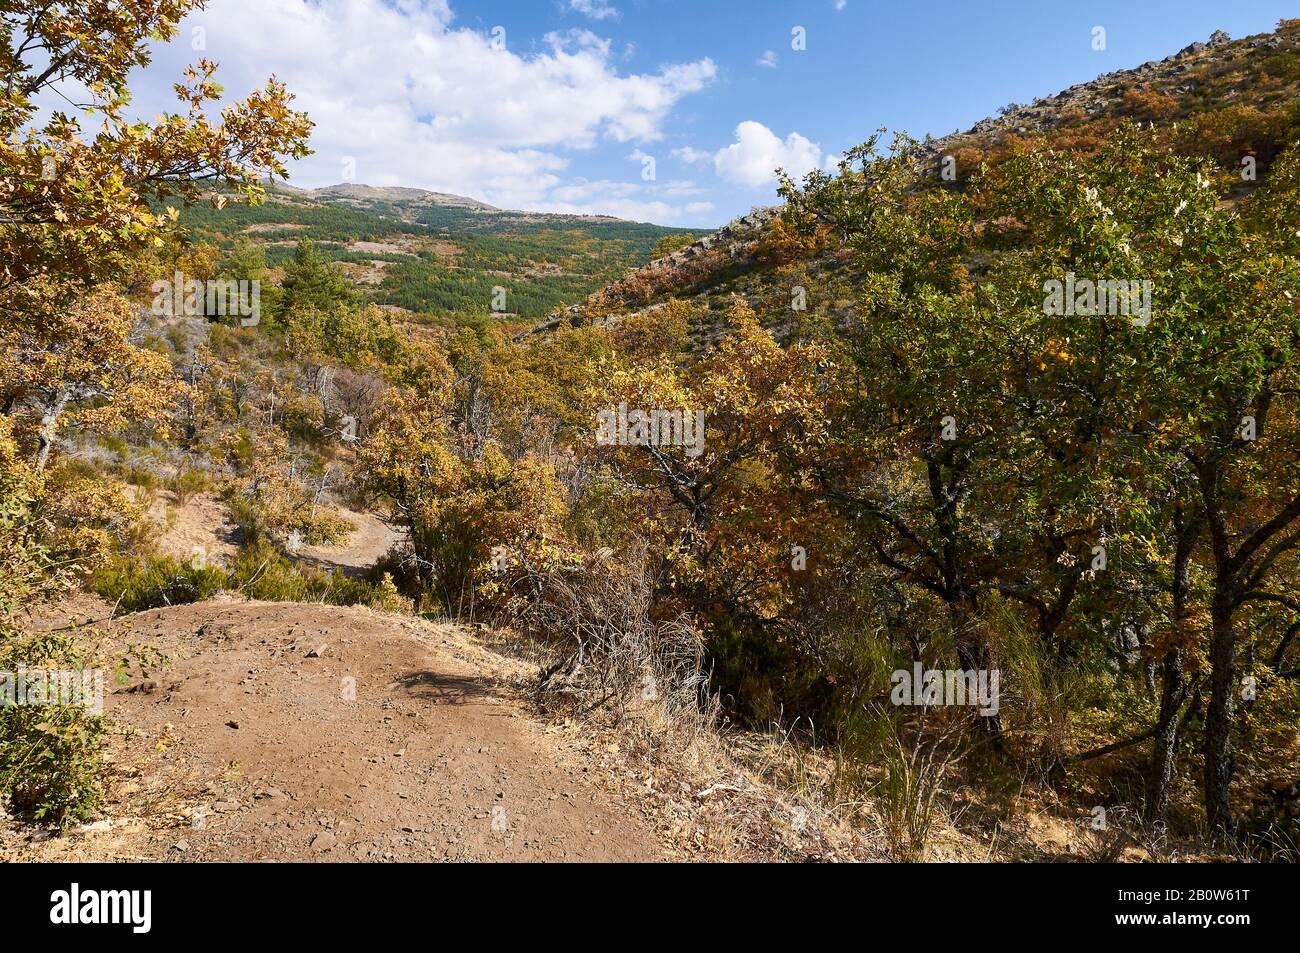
{"type": "Point", "coordinates": [605, 648]}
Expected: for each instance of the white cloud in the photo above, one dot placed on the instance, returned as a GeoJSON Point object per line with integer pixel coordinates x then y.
{"type": "Point", "coordinates": [636, 201]}
{"type": "Point", "coordinates": [596, 9]}
{"type": "Point", "coordinates": [840, 4]}
{"type": "Point", "coordinates": [757, 152]}
{"type": "Point", "coordinates": [768, 59]}
{"type": "Point", "coordinates": [690, 155]}
{"type": "Point", "coordinates": [415, 101]}
{"type": "Point", "coordinates": [575, 41]}
{"type": "Point", "coordinates": [680, 188]}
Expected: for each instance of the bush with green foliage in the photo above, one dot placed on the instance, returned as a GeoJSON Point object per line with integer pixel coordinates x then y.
{"type": "Point", "coordinates": [49, 754]}
{"type": "Point", "coordinates": [187, 484]}
{"type": "Point", "coordinates": [134, 584]}
{"type": "Point", "coordinates": [51, 765]}
{"type": "Point", "coordinates": [261, 571]}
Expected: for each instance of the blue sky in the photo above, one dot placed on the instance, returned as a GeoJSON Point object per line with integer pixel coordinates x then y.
{"type": "Point", "coordinates": [671, 111]}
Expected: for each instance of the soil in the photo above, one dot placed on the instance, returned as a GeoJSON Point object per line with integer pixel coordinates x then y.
{"type": "Point", "coordinates": [203, 524]}
{"type": "Point", "coordinates": [280, 731]}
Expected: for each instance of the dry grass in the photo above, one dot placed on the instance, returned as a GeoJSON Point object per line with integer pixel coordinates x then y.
{"type": "Point", "coordinates": [632, 688]}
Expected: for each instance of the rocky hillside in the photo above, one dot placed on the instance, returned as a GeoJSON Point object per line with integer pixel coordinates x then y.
{"type": "Point", "coordinates": [1226, 98]}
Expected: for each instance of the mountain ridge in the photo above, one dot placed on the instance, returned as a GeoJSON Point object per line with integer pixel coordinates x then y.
{"type": "Point", "coordinates": [1220, 74]}
{"type": "Point", "coordinates": [360, 195]}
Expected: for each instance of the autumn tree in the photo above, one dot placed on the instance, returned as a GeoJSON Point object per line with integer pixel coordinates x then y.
{"type": "Point", "coordinates": [704, 441]}
{"type": "Point", "coordinates": [1226, 376]}
{"type": "Point", "coordinates": [469, 509]}
{"type": "Point", "coordinates": [1101, 463]}
{"type": "Point", "coordinates": [83, 199]}
{"type": "Point", "coordinates": [281, 497]}
{"type": "Point", "coordinates": [923, 451]}
{"type": "Point", "coordinates": [77, 207]}
{"type": "Point", "coordinates": [79, 362]}
{"type": "Point", "coordinates": [671, 243]}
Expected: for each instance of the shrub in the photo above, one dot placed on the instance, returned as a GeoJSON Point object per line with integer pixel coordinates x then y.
{"type": "Point", "coordinates": [143, 478]}
{"type": "Point", "coordinates": [85, 519]}
{"type": "Point", "coordinates": [384, 597]}
{"type": "Point", "coordinates": [276, 498]}
{"type": "Point", "coordinates": [186, 484]}
{"type": "Point", "coordinates": [261, 571]}
{"type": "Point", "coordinates": [1148, 104]}
{"type": "Point", "coordinates": [150, 583]}
{"type": "Point", "coordinates": [49, 755]}
{"type": "Point", "coordinates": [1232, 132]}
{"type": "Point", "coordinates": [112, 443]}
{"type": "Point", "coordinates": [785, 241]}
{"type": "Point", "coordinates": [1284, 65]}
{"type": "Point", "coordinates": [671, 243]}
{"type": "Point", "coordinates": [907, 796]}
{"type": "Point", "coordinates": [607, 649]}
{"type": "Point", "coordinates": [50, 761]}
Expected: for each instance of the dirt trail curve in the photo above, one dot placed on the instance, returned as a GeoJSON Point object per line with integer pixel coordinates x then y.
{"type": "Point", "coordinates": [298, 732]}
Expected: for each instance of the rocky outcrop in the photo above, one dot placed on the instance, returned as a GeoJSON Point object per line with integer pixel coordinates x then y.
{"type": "Point", "coordinates": [1100, 95]}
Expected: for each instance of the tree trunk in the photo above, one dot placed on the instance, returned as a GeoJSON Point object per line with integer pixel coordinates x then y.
{"type": "Point", "coordinates": [1173, 692]}
{"type": "Point", "coordinates": [973, 654]}
{"type": "Point", "coordinates": [1173, 680]}
{"type": "Point", "coordinates": [49, 429]}
{"type": "Point", "coordinates": [1218, 717]}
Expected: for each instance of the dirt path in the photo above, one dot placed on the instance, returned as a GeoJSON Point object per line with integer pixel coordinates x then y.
{"type": "Point", "coordinates": [203, 525]}
{"type": "Point", "coordinates": [359, 736]}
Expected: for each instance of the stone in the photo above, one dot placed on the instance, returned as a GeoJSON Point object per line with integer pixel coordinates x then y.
{"type": "Point", "coordinates": [323, 841]}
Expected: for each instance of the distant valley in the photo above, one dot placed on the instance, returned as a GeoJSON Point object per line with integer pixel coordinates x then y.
{"type": "Point", "coordinates": [432, 253]}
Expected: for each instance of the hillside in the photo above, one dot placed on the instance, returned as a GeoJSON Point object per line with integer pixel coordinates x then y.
{"type": "Point", "coordinates": [433, 253]}
{"type": "Point", "coordinates": [1228, 99]}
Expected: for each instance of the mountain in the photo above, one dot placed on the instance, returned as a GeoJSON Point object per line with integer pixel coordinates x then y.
{"type": "Point", "coordinates": [434, 254]}
{"type": "Point", "coordinates": [369, 196]}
